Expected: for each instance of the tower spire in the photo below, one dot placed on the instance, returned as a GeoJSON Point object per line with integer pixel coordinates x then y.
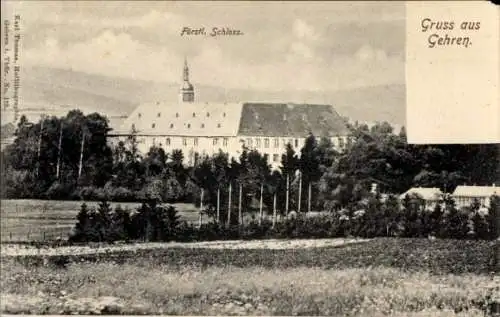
{"type": "Point", "coordinates": [186, 70]}
{"type": "Point", "coordinates": [187, 90]}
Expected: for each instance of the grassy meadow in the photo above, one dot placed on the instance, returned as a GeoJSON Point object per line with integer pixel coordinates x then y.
{"type": "Point", "coordinates": [39, 220]}
{"type": "Point", "coordinates": [380, 277]}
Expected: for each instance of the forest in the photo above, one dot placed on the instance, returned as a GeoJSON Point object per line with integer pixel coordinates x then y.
{"type": "Point", "coordinates": [69, 158]}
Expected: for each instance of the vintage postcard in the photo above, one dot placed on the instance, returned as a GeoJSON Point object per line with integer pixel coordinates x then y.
{"type": "Point", "coordinates": [250, 158]}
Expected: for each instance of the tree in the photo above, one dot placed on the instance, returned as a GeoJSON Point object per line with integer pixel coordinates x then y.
{"type": "Point", "coordinates": [289, 165]}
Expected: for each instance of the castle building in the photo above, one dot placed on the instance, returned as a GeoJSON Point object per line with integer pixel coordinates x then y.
{"type": "Point", "coordinates": [207, 128]}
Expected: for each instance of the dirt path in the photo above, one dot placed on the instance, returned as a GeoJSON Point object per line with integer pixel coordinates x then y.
{"type": "Point", "coordinates": [21, 250]}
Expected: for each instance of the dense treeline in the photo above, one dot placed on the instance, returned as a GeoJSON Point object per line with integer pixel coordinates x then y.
{"type": "Point", "coordinates": [69, 158]}
{"type": "Point", "coordinates": [380, 218]}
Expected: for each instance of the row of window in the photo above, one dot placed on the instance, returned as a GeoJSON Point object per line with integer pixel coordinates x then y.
{"type": "Point", "coordinates": [215, 141]}
{"type": "Point", "coordinates": [177, 115]}
{"type": "Point", "coordinates": [249, 142]}
{"type": "Point", "coordinates": [276, 142]}
{"type": "Point", "coordinates": [153, 125]}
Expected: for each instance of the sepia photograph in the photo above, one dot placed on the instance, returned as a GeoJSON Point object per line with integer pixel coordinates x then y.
{"type": "Point", "coordinates": [219, 158]}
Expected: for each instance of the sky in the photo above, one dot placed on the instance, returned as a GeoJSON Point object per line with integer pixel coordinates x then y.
{"type": "Point", "coordinates": [286, 45]}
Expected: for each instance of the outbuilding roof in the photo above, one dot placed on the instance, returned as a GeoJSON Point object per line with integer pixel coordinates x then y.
{"type": "Point", "coordinates": [427, 193]}
{"type": "Point", "coordinates": [476, 191]}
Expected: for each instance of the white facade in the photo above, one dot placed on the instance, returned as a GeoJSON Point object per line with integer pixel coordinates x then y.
{"type": "Point", "coordinates": [274, 147]}
{"type": "Point", "coordinates": [465, 196]}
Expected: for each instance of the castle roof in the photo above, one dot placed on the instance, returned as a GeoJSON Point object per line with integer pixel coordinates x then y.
{"type": "Point", "coordinates": [184, 119]}
{"type": "Point", "coordinates": [289, 119]}
{"type": "Point", "coordinates": [232, 119]}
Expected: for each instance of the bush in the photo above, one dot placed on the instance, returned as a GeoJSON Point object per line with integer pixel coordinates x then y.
{"type": "Point", "coordinates": [155, 222]}
{"type": "Point", "coordinates": [58, 191]}
{"type": "Point", "coordinates": [90, 193]}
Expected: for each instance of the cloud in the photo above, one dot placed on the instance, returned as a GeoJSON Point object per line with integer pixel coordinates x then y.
{"type": "Point", "coordinates": [288, 52]}
{"type": "Point", "coordinates": [110, 53]}
{"type": "Point", "coordinates": [304, 31]}
{"type": "Point", "coordinates": [299, 50]}
{"type": "Point", "coordinates": [367, 53]}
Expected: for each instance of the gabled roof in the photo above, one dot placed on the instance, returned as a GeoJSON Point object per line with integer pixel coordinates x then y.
{"type": "Point", "coordinates": [476, 191]}
{"type": "Point", "coordinates": [288, 119]}
{"type": "Point", "coordinates": [184, 119]}
{"type": "Point", "coordinates": [427, 193]}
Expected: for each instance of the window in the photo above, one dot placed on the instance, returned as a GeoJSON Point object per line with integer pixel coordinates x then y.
{"type": "Point", "coordinates": [275, 157]}
{"type": "Point", "coordinates": [139, 115]}
{"type": "Point", "coordinates": [290, 141]}
{"type": "Point", "coordinates": [276, 143]}
{"type": "Point", "coordinates": [177, 115]}
{"type": "Point", "coordinates": [189, 125]}
{"type": "Point", "coordinates": [153, 125]}
{"type": "Point", "coordinates": [194, 114]}
{"type": "Point", "coordinates": [154, 141]}
{"type": "Point", "coordinates": [218, 125]}
{"type": "Point", "coordinates": [257, 143]}
{"type": "Point", "coordinates": [296, 142]}
{"type": "Point", "coordinates": [224, 114]}
{"type": "Point", "coordinates": [171, 125]}
{"type": "Point", "coordinates": [266, 143]}
{"type": "Point", "coordinates": [249, 142]}
{"type": "Point", "coordinates": [341, 142]}
{"type": "Point", "coordinates": [224, 142]}
{"type": "Point", "coordinates": [215, 141]}
{"type": "Point", "coordinates": [159, 114]}
{"type": "Point", "coordinates": [167, 142]}
{"type": "Point", "coordinates": [208, 114]}
{"type": "Point", "coordinates": [195, 141]}
{"type": "Point", "coordinates": [202, 125]}
{"type": "Point", "coordinates": [184, 141]}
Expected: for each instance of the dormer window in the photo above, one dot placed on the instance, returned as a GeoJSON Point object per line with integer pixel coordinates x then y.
{"type": "Point", "coordinates": [171, 125]}
{"type": "Point", "coordinates": [177, 115]}
{"type": "Point", "coordinates": [159, 114]}
{"type": "Point", "coordinates": [189, 125]}
{"type": "Point", "coordinates": [224, 114]}
{"type": "Point", "coordinates": [194, 114]}
{"type": "Point", "coordinates": [202, 125]}
{"type": "Point", "coordinates": [139, 115]}
{"type": "Point", "coordinates": [218, 125]}
{"type": "Point", "coordinates": [153, 125]}
{"type": "Point", "coordinates": [208, 114]}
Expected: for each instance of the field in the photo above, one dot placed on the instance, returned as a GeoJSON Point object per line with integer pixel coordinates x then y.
{"type": "Point", "coordinates": [48, 220]}
{"type": "Point", "coordinates": [379, 277]}
{"type": "Point", "coordinates": [39, 220]}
